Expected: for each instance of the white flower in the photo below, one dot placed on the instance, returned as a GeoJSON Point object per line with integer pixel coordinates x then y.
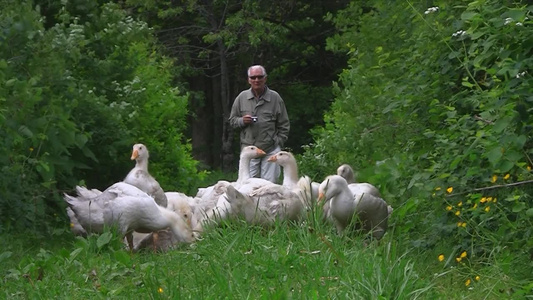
{"type": "Point", "coordinates": [431, 10]}
{"type": "Point", "coordinates": [507, 21]}
{"type": "Point", "coordinates": [459, 33]}
{"type": "Point", "coordinates": [519, 24]}
{"type": "Point", "coordinates": [522, 74]}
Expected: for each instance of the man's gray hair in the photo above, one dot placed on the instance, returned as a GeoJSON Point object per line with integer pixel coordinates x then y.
{"type": "Point", "coordinates": [258, 66]}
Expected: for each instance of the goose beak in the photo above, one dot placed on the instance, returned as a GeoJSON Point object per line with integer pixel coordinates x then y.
{"type": "Point", "coordinates": [260, 152]}
{"type": "Point", "coordinates": [135, 154]}
{"type": "Point", "coordinates": [273, 158]}
{"type": "Point", "coordinates": [321, 197]}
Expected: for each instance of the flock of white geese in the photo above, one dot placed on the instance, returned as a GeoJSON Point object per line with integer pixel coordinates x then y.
{"type": "Point", "coordinates": [148, 217]}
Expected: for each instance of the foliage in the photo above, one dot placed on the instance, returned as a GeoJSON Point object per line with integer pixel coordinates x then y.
{"type": "Point", "coordinates": [436, 100]}
{"type": "Point", "coordinates": [75, 97]}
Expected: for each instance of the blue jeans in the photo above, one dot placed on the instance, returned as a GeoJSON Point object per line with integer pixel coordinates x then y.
{"type": "Point", "coordinates": [269, 171]}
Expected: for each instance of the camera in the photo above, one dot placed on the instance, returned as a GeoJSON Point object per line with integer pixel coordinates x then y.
{"type": "Point", "coordinates": [254, 119]}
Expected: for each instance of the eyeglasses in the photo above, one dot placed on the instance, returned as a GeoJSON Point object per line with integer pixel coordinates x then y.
{"type": "Point", "coordinates": [256, 77]}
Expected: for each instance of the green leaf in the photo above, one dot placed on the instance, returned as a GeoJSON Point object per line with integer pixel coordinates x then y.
{"type": "Point", "coordinates": [467, 84]}
{"type": "Point", "coordinates": [505, 166]}
{"type": "Point", "coordinates": [11, 82]}
{"type": "Point", "coordinates": [501, 124]}
{"type": "Point", "coordinates": [518, 207]}
{"type": "Point", "coordinates": [5, 255]}
{"type": "Point", "coordinates": [515, 14]}
{"type": "Point", "coordinates": [104, 239]}
{"type": "Point", "coordinates": [81, 140]}
{"type": "Point", "coordinates": [75, 253]}
{"type": "Point", "coordinates": [123, 257]}
{"type": "Point", "coordinates": [25, 131]}
{"type": "Point", "coordinates": [529, 212]}
{"type": "Point", "coordinates": [468, 15]}
{"type": "Point", "coordinates": [512, 198]}
{"type": "Point", "coordinates": [476, 35]}
{"type": "Point", "coordinates": [494, 155]}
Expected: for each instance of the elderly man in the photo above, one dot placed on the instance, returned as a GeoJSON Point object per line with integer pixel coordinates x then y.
{"type": "Point", "coordinates": [261, 115]}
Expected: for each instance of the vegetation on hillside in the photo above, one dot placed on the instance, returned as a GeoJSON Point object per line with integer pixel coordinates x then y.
{"type": "Point", "coordinates": [75, 98]}
{"type": "Point", "coordinates": [435, 108]}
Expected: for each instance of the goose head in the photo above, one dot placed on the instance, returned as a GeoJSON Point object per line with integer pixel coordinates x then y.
{"type": "Point", "coordinates": [346, 172]}
{"type": "Point", "coordinates": [282, 158]}
{"type": "Point", "coordinates": [250, 152]}
{"type": "Point", "coordinates": [330, 187]}
{"type": "Point", "coordinates": [139, 152]}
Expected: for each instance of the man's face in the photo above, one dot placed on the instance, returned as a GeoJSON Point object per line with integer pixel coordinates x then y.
{"type": "Point", "coordinates": [257, 79]}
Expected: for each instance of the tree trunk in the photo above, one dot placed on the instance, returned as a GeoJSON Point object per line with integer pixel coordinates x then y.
{"type": "Point", "coordinates": [202, 123]}
{"type": "Point", "coordinates": [227, 130]}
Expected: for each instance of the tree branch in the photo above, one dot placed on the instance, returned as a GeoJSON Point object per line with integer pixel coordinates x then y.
{"type": "Point", "coordinates": [492, 187]}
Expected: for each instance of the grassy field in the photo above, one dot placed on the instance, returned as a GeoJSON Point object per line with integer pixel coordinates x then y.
{"type": "Point", "coordinates": [237, 261]}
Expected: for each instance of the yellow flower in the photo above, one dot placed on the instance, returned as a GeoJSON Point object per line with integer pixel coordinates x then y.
{"type": "Point", "coordinates": [529, 168]}
{"type": "Point", "coordinates": [437, 188]}
{"type": "Point", "coordinates": [441, 257]}
{"type": "Point", "coordinates": [457, 213]}
{"type": "Point", "coordinates": [31, 149]}
{"type": "Point", "coordinates": [478, 278]}
{"type": "Point", "coordinates": [467, 283]}
{"type": "Point", "coordinates": [487, 209]}
{"type": "Point", "coordinates": [464, 224]}
{"type": "Point", "coordinates": [494, 200]}
{"type": "Point", "coordinates": [489, 199]}
{"type": "Point", "coordinates": [483, 200]}
{"type": "Point", "coordinates": [463, 255]}
{"type": "Point", "coordinates": [460, 204]}
{"type": "Point", "coordinates": [459, 224]}
{"type": "Point", "coordinates": [449, 190]}
{"type": "Point", "coordinates": [494, 178]}
{"type": "Point", "coordinates": [475, 206]}
{"type": "Point", "coordinates": [458, 259]}
{"type": "Point", "coordinates": [506, 176]}
{"type": "Point", "coordinates": [160, 290]}
{"type": "Point", "coordinates": [449, 207]}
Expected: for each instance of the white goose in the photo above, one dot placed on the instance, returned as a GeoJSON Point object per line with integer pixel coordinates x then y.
{"type": "Point", "coordinates": [264, 202]}
{"type": "Point", "coordinates": [141, 178]}
{"type": "Point", "coordinates": [371, 211]}
{"type": "Point", "coordinates": [290, 173]}
{"type": "Point", "coordinates": [290, 178]}
{"type": "Point", "coordinates": [164, 240]}
{"type": "Point", "coordinates": [213, 205]}
{"type": "Point", "coordinates": [270, 203]}
{"type": "Point", "coordinates": [181, 204]}
{"type": "Point", "coordinates": [131, 209]}
{"type": "Point", "coordinates": [347, 173]}
{"type": "Point", "coordinates": [75, 225]}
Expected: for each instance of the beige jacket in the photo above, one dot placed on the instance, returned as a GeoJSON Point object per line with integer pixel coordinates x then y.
{"type": "Point", "coordinates": [272, 126]}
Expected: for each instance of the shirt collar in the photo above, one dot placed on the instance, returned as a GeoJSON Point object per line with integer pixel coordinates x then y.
{"type": "Point", "coordinates": [265, 96]}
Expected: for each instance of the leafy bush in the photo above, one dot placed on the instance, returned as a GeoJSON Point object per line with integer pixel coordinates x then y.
{"type": "Point", "coordinates": [437, 100]}
{"type": "Point", "coordinates": [75, 98]}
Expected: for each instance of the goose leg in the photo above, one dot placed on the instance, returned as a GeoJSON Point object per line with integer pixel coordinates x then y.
{"type": "Point", "coordinates": [129, 238]}
{"type": "Point", "coordinates": [155, 238]}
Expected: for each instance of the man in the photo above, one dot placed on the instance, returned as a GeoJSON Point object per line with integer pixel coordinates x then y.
{"type": "Point", "coordinates": [261, 115]}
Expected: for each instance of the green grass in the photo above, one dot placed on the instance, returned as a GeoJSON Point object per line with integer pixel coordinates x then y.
{"type": "Point", "coordinates": [237, 261]}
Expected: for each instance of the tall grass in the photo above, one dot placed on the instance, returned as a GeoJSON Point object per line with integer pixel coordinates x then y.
{"type": "Point", "coordinates": [233, 261]}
